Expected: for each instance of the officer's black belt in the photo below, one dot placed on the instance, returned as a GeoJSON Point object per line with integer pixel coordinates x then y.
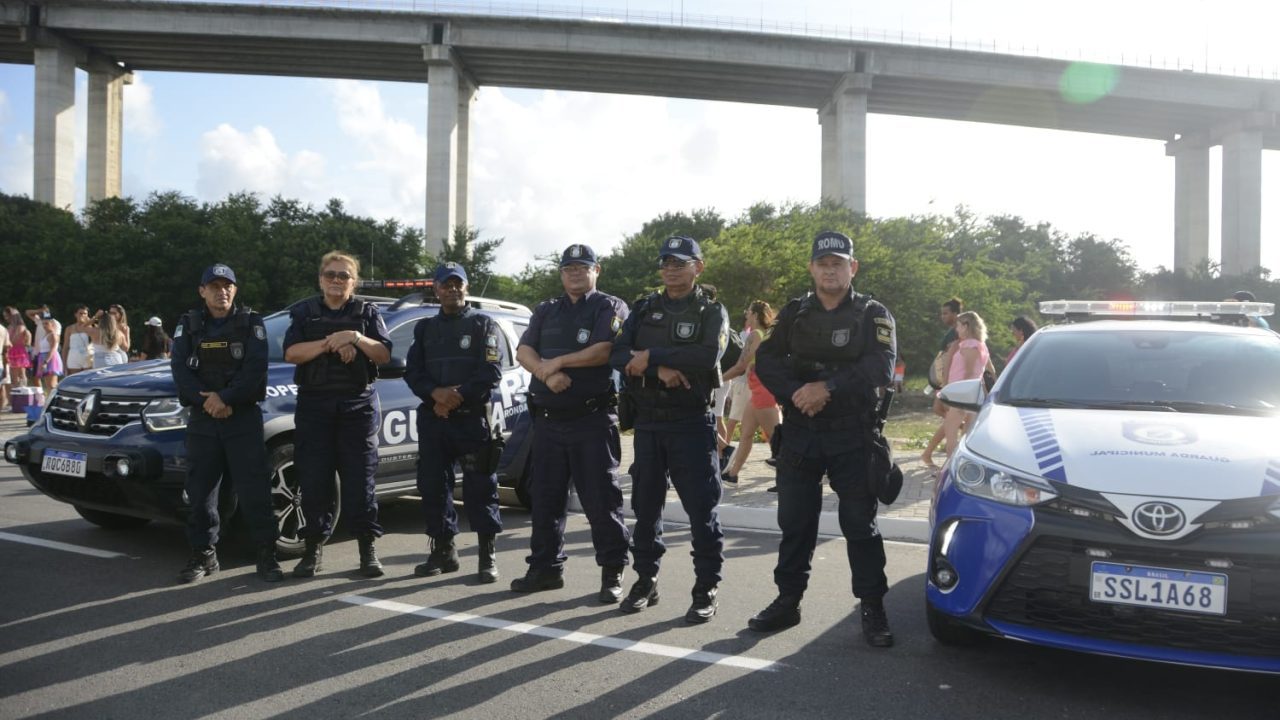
{"type": "Point", "coordinates": [468, 410]}
{"type": "Point", "coordinates": [846, 422]}
{"type": "Point", "coordinates": [581, 410]}
{"type": "Point", "coordinates": [655, 415]}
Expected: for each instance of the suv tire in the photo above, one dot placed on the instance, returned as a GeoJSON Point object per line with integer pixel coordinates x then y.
{"type": "Point", "coordinates": [286, 499]}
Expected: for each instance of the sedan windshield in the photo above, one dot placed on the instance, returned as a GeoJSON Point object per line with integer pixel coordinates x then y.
{"type": "Point", "coordinates": [1175, 371]}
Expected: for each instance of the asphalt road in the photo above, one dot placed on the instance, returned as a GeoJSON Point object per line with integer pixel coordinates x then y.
{"type": "Point", "coordinates": [114, 637]}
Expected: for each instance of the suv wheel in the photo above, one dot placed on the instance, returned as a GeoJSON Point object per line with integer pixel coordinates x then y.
{"type": "Point", "coordinates": [110, 520]}
{"type": "Point", "coordinates": [286, 500]}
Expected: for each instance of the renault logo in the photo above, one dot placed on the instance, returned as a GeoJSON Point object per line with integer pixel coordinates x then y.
{"type": "Point", "coordinates": [85, 410]}
{"type": "Point", "coordinates": [1159, 518]}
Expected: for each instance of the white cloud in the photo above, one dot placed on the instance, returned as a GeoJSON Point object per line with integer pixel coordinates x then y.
{"type": "Point", "coordinates": [234, 161]}
{"type": "Point", "coordinates": [140, 117]}
{"type": "Point", "coordinates": [389, 178]}
{"type": "Point", "coordinates": [16, 157]}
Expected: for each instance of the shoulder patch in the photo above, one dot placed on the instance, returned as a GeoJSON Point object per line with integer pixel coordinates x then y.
{"type": "Point", "coordinates": [615, 325]}
{"type": "Point", "coordinates": [177, 332]}
{"type": "Point", "coordinates": [884, 330]}
{"type": "Point", "coordinates": [260, 332]}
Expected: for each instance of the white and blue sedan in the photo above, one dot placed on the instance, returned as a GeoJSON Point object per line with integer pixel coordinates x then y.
{"type": "Point", "coordinates": [1118, 491]}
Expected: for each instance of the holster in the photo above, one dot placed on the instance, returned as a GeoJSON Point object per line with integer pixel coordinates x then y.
{"type": "Point", "coordinates": [627, 411]}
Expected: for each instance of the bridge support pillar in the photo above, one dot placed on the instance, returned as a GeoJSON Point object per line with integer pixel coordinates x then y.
{"type": "Point", "coordinates": [844, 143]}
{"type": "Point", "coordinates": [1241, 201]}
{"type": "Point", "coordinates": [448, 114]}
{"type": "Point", "coordinates": [106, 125]}
{"type": "Point", "coordinates": [55, 126]}
{"type": "Point", "coordinates": [1190, 202]}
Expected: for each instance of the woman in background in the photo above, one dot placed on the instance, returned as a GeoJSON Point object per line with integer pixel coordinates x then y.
{"type": "Point", "coordinates": [970, 361]}
{"type": "Point", "coordinates": [108, 348]}
{"type": "Point", "coordinates": [762, 411]}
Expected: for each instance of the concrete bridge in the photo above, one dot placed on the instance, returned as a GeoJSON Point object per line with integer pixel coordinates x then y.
{"type": "Point", "coordinates": [457, 53]}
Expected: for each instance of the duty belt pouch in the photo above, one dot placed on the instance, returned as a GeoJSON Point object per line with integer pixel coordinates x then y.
{"type": "Point", "coordinates": [627, 411]}
{"type": "Point", "coordinates": [883, 473]}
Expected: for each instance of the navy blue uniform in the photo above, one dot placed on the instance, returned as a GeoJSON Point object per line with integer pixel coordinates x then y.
{"type": "Point", "coordinates": [227, 356]}
{"type": "Point", "coordinates": [337, 419]}
{"type": "Point", "coordinates": [575, 432]}
{"type": "Point", "coordinates": [852, 349]}
{"type": "Point", "coordinates": [456, 350]}
{"type": "Point", "coordinates": [675, 430]}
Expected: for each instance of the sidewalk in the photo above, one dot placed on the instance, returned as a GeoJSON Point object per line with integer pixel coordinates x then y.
{"type": "Point", "coordinates": [749, 505]}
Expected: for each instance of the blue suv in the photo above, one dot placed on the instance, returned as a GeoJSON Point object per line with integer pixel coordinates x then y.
{"type": "Point", "coordinates": [111, 443]}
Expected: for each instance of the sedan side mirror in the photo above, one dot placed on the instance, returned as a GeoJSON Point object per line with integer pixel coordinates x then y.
{"type": "Point", "coordinates": [392, 369]}
{"type": "Point", "coordinates": [964, 394]}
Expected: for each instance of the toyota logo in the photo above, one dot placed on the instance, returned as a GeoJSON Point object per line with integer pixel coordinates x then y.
{"type": "Point", "coordinates": [1159, 518]}
{"type": "Point", "coordinates": [85, 410]}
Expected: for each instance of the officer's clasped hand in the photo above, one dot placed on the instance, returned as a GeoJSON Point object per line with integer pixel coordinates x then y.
{"type": "Point", "coordinates": [448, 397]}
{"type": "Point", "coordinates": [558, 383]}
{"type": "Point", "coordinates": [546, 369]}
{"type": "Point", "coordinates": [346, 353]}
{"type": "Point", "coordinates": [811, 398]}
{"type": "Point", "coordinates": [638, 364]}
{"type": "Point", "coordinates": [671, 377]}
{"type": "Point", "coordinates": [214, 407]}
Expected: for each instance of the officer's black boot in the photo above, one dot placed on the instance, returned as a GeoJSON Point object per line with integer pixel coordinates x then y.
{"type": "Point", "coordinates": [370, 566]}
{"type": "Point", "coordinates": [704, 603]}
{"type": "Point", "coordinates": [488, 572]}
{"type": "Point", "coordinates": [268, 567]}
{"type": "Point", "coordinates": [312, 557]}
{"type": "Point", "coordinates": [538, 579]}
{"type": "Point", "coordinates": [875, 623]}
{"type": "Point", "coordinates": [203, 562]}
{"type": "Point", "coordinates": [782, 613]}
{"type": "Point", "coordinates": [611, 583]}
{"type": "Point", "coordinates": [643, 594]}
{"type": "Point", "coordinates": [443, 559]}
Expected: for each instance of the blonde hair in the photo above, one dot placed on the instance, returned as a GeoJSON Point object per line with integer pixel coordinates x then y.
{"type": "Point", "coordinates": [973, 321]}
{"type": "Point", "coordinates": [339, 256]}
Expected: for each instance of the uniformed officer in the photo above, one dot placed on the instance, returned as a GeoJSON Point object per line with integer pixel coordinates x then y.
{"type": "Point", "coordinates": [829, 354]}
{"type": "Point", "coordinates": [575, 425]}
{"type": "Point", "coordinates": [669, 352]}
{"type": "Point", "coordinates": [453, 366]}
{"type": "Point", "coordinates": [337, 341]}
{"type": "Point", "coordinates": [219, 364]}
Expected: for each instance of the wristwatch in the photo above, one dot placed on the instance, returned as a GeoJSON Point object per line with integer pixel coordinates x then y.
{"type": "Point", "coordinates": [831, 386]}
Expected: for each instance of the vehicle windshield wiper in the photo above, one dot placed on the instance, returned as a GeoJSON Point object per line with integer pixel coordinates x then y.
{"type": "Point", "coordinates": [1161, 405]}
{"type": "Point", "coordinates": [1193, 406]}
{"type": "Point", "coordinates": [1043, 403]}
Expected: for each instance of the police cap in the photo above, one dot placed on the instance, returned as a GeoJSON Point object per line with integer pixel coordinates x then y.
{"type": "Point", "coordinates": [830, 242]}
{"type": "Point", "coordinates": [450, 270]}
{"type": "Point", "coordinates": [679, 246]}
{"type": "Point", "coordinates": [578, 255]}
{"type": "Point", "coordinates": [216, 271]}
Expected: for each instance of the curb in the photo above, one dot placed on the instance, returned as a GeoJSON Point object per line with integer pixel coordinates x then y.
{"type": "Point", "coordinates": [766, 519]}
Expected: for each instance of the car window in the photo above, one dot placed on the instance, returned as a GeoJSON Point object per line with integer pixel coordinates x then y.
{"type": "Point", "coordinates": [1149, 367]}
{"type": "Point", "coordinates": [402, 338]}
{"type": "Point", "coordinates": [276, 326]}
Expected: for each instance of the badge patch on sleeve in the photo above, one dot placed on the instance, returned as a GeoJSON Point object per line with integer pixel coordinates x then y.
{"type": "Point", "coordinates": [884, 330]}
{"type": "Point", "coordinates": [259, 332]}
{"type": "Point", "coordinates": [491, 348]}
{"type": "Point", "coordinates": [177, 332]}
{"type": "Point", "coordinates": [615, 324]}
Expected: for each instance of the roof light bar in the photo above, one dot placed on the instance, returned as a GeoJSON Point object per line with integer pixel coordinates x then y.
{"type": "Point", "coordinates": [1167, 308]}
{"type": "Point", "coordinates": [394, 284]}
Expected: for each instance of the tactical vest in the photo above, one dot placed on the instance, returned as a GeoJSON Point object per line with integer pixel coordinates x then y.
{"type": "Point", "coordinates": [453, 348]}
{"type": "Point", "coordinates": [823, 343]}
{"type": "Point", "coordinates": [567, 329]}
{"type": "Point", "coordinates": [217, 354]}
{"type": "Point", "coordinates": [660, 326]}
{"type": "Point", "coordinates": [327, 372]}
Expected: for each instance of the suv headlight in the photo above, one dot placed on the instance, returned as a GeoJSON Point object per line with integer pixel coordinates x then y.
{"type": "Point", "coordinates": [165, 414]}
{"type": "Point", "coordinates": [985, 479]}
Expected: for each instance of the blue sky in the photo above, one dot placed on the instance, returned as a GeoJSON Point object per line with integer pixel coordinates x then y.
{"type": "Point", "coordinates": [552, 168]}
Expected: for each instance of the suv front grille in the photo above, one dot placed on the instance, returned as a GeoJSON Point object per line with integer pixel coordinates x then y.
{"type": "Point", "coordinates": [112, 413]}
{"type": "Point", "coordinates": [1049, 588]}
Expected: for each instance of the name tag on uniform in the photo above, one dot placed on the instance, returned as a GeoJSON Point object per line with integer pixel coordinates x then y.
{"type": "Point", "coordinates": [213, 344]}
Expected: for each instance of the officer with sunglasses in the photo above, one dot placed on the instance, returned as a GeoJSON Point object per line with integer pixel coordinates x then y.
{"type": "Point", "coordinates": [669, 353]}
{"type": "Point", "coordinates": [337, 341]}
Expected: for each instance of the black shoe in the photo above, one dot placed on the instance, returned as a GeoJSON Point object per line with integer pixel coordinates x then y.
{"type": "Point", "coordinates": [202, 562]}
{"type": "Point", "coordinates": [772, 489]}
{"type": "Point", "coordinates": [771, 462]}
{"type": "Point", "coordinates": [537, 579]}
{"type": "Point", "coordinates": [611, 584]}
{"type": "Point", "coordinates": [725, 456]}
{"type": "Point", "coordinates": [728, 479]}
{"type": "Point", "coordinates": [643, 594]}
{"type": "Point", "coordinates": [488, 567]}
{"type": "Point", "coordinates": [443, 559]}
{"type": "Point", "coordinates": [782, 613]}
{"type": "Point", "coordinates": [704, 604]}
{"type": "Point", "coordinates": [370, 565]}
{"type": "Point", "coordinates": [268, 567]}
{"type": "Point", "coordinates": [312, 559]}
{"type": "Point", "coordinates": [875, 623]}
